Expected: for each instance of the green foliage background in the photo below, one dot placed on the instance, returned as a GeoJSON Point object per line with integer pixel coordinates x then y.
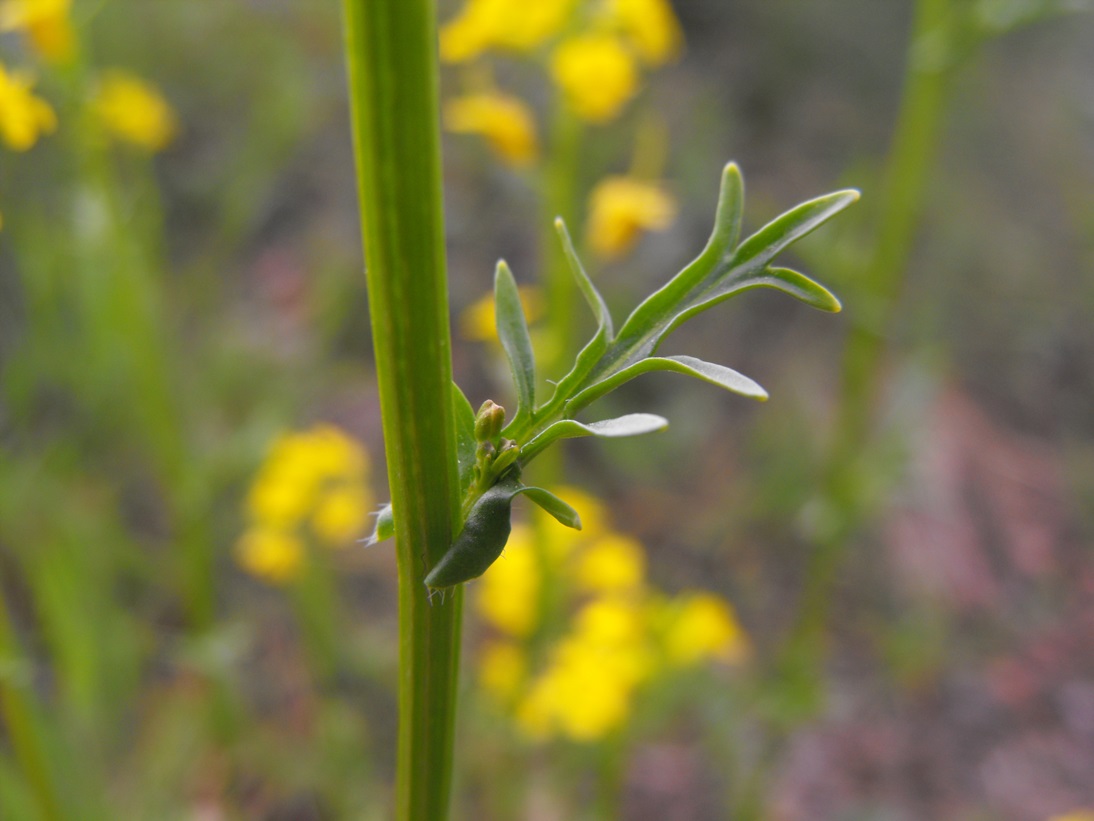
{"type": "Point", "coordinates": [911, 558]}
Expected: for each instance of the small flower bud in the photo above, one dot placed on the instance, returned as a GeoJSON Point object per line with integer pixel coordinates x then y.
{"type": "Point", "coordinates": [489, 421]}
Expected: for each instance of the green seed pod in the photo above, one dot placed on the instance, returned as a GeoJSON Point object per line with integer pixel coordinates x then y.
{"type": "Point", "coordinates": [480, 542]}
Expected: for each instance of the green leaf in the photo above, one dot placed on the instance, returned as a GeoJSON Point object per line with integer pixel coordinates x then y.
{"type": "Point", "coordinates": [513, 335]}
{"type": "Point", "coordinates": [565, 514]}
{"type": "Point", "coordinates": [718, 375]}
{"type": "Point", "coordinates": [385, 526]}
{"type": "Point", "coordinates": [719, 273]}
{"type": "Point", "coordinates": [595, 348]}
{"type": "Point", "coordinates": [588, 290]}
{"type": "Point", "coordinates": [465, 436]}
{"type": "Point", "coordinates": [657, 307]}
{"type": "Point", "coordinates": [760, 248]}
{"type": "Point", "coordinates": [800, 287]}
{"type": "Point", "coordinates": [633, 424]}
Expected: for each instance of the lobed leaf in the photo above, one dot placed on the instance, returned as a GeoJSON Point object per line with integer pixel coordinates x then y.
{"type": "Point", "coordinates": [513, 335]}
{"type": "Point", "coordinates": [595, 348]}
{"type": "Point", "coordinates": [655, 309]}
{"type": "Point", "coordinates": [760, 248]}
{"type": "Point", "coordinates": [721, 272]}
{"type": "Point", "coordinates": [718, 375]}
{"type": "Point", "coordinates": [588, 289]}
{"type": "Point", "coordinates": [799, 286]}
{"type": "Point", "coordinates": [633, 424]}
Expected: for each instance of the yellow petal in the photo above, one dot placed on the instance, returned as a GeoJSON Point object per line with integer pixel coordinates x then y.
{"type": "Point", "coordinates": [504, 121]}
{"type": "Point", "coordinates": [133, 111]}
{"type": "Point", "coordinates": [597, 75]}
{"type": "Point", "coordinates": [621, 209]}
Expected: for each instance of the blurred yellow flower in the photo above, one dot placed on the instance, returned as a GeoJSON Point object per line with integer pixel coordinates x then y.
{"type": "Point", "coordinates": [622, 636]}
{"type": "Point", "coordinates": [317, 476]}
{"type": "Point", "coordinates": [134, 111]}
{"type": "Point", "coordinates": [478, 321]}
{"type": "Point", "coordinates": [340, 515]}
{"type": "Point", "coordinates": [610, 622]}
{"type": "Point", "coordinates": [295, 473]}
{"type": "Point", "coordinates": [578, 697]}
{"type": "Point", "coordinates": [597, 75]}
{"type": "Point", "coordinates": [271, 555]}
{"type": "Point", "coordinates": [46, 23]}
{"type": "Point", "coordinates": [23, 117]}
{"type": "Point", "coordinates": [280, 497]}
{"type": "Point", "coordinates": [329, 453]}
{"type": "Point", "coordinates": [503, 120]}
{"type": "Point", "coordinates": [702, 626]}
{"type": "Point", "coordinates": [502, 24]}
{"type": "Point", "coordinates": [613, 563]}
{"type": "Point", "coordinates": [508, 593]}
{"type": "Point", "coordinates": [621, 208]}
{"type": "Point", "coordinates": [1075, 815]}
{"type": "Point", "coordinates": [588, 689]}
{"type": "Point", "coordinates": [651, 26]}
{"type": "Point", "coordinates": [502, 668]}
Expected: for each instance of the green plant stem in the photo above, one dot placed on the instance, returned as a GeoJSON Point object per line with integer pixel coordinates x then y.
{"type": "Point", "coordinates": [907, 172]}
{"type": "Point", "coordinates": [392, 64]}
{"type": "Point", "coordinates": [560, 195]}
{"type": "Point", "coordinates": [24, 730]}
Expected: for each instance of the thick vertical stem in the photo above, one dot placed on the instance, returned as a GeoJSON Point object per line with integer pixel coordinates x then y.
{"type": "Point", "coordinates": [392, 54]}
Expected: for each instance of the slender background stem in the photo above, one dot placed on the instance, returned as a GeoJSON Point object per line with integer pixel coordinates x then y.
{"type": "Point", "coordinates": [20, 719]}
{"type": "Point", "coordinates": [907, 171]}
{"type": "Point", "coordinates": [391, 47]}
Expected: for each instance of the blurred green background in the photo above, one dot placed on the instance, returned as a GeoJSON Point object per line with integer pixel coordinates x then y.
{"type": "Point", "coordinates": [890, 561]}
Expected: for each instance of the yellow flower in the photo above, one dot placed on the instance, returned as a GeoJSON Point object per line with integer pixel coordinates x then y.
{"type": "Point", "coordinates": [46, 23]}
{"type": "Point", "coordinates": [1075, 815]}
{"type": "Point", "coordinates": [317, 475]}
{"type": "Point", "coordinates": [271, 555]}
{"type": "Point", "coordinates": [513, 25]}
{"type": "Point", "coordinates": [23, 117]}
{"type": "Point", "coordinates": [291, 481]}
{"type": "Point", "coordinates": [609, 622]}
{"type": "Point", "coordinates": [502, 668]}
{"type": "Point", "coordinates": [340, 514]}
{"type": "Point", "coordinates": [579, 697]}
{"type": "Point", "coordinates": [330, 453]}
{"type": "Point", "coordinates": [508, 594]}
{"type": "Point", "coordinates": [478, 321]}
{"type": "Point", "coordinates": [621, 208]}
{"type": "Point", "coordinates": [613, 563]}
{"type": "Point", "coordinates": [588, 689]}
{"type": "Point", "coordinates": [651, 26]}
{"type": "Point", "coordinates": [504, 121]}
{"type": "Point", "coordinates": [134, 111]}
{"type": "Point", "coordinates": [597, 75]}
{"type": "Point", "coordinates": [285, 488]}
{"type": "Point", "coordinates": [702, 626]}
